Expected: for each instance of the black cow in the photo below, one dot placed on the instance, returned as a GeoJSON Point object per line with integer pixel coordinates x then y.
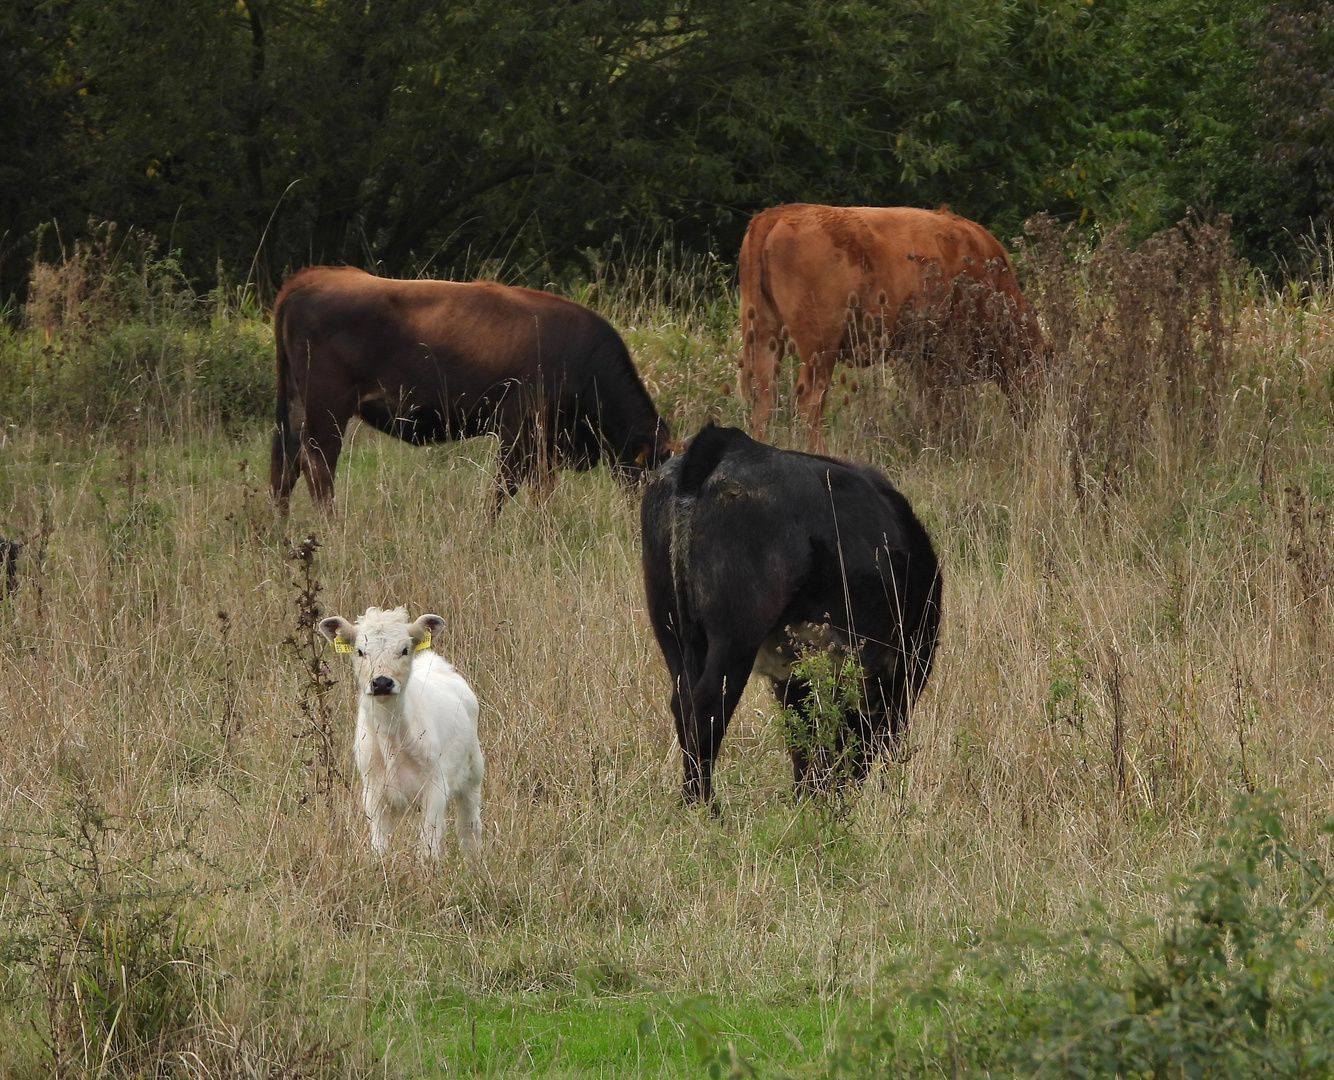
{"type": "Point", "coordinates": [429, 361]}
{"type": "Point", "coordinates": [753, 555]}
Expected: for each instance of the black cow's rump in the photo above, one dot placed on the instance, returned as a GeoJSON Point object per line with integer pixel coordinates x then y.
{"type": "Point", "coordinates": [428, 361]}
{"type": "Point", "coordinates": [752, 553]}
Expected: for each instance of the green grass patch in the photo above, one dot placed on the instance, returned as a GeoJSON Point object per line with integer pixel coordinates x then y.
{"type": "Point", "coordinates": [597, 1034]}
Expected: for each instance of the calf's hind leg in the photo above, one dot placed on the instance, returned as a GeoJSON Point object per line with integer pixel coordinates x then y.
{"type": "Point", "coordinates": [468, 823]}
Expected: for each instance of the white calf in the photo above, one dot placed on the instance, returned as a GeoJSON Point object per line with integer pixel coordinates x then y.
{"type": "Point", "coordinates": [416, 741]}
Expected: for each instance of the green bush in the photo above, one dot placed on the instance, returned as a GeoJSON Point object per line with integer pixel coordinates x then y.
{"type": "Point", "coordinates": [109, 943]}
{"type": "Point", "coordinates": [816, 727]}
{"type": "Point", "coordinates": [1231, 982]}
{"type": "Point", "coordinates": [112, 332]}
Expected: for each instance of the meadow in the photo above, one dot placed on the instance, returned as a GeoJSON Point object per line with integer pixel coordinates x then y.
{"type": "Point", "coordinates": [1136, 629]}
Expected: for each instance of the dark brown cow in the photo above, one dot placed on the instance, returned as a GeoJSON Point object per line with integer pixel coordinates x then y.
{"type": "Point", "coordinates": [430, 361]}
{"type": "Point", "coordinates": [833, 283]}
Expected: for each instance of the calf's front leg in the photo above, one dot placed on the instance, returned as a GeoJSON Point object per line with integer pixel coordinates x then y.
{"type": "Point", "coordinates": [434, 803]}
{"type": "Point", "coordinates": [380, 812]}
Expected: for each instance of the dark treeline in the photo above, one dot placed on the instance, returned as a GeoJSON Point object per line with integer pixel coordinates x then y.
{"type": "Point", "coordinates": [254, 136]}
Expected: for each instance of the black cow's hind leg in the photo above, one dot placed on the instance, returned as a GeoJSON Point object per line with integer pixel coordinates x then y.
{"type": "Point", "coordinates": [887, 716]}
{"type": "Point", "coordinates": [713, 699]}
{"type": "Point", "coordinates": [682, 663]}
{"type": "Point", "coordinates": [791, 694]}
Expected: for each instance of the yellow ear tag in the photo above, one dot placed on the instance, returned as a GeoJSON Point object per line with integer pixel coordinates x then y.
{"type": "Point", "coordinates": [342, 646]}
{"type": "Point", "coordinates": [425, 643]}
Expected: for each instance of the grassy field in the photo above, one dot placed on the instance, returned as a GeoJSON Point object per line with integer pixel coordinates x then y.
{"type": "Point", "coordinates": [1137, 587]}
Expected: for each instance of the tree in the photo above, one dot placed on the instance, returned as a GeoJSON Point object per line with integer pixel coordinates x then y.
{"type": "Point", "coordinates": [1295, 94]}
{"type": "Point", "coordinates": [260, 135]}
{"type": "Point", "coordinates": [36, 174]}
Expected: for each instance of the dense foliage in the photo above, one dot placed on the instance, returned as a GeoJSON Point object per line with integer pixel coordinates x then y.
{"type": "Point", "coordinates": [257, 135]}
{"type": "Point", "coordinates": [1228, 984]}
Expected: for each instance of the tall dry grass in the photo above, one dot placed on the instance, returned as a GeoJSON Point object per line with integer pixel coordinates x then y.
{"type": "Point", "coordinates": [1136, 627]}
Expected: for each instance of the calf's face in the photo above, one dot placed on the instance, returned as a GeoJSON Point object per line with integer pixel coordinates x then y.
{"type": "Point", "coordinates": [381, 645]}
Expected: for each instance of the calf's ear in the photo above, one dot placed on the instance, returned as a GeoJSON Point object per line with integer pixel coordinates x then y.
{"type": "Point", "coordinates": [338, 630]}
{"type": "Point", "coordinates": [423, 628]}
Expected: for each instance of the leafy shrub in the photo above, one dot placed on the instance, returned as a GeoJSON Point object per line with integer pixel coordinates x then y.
{"type": "Point", "coordinates": [109, 945]}
{"type": "Point", "coordinates": [111, 329]}
{"type": "Point", "coordinates": [1231, 983]}
{"type": "Point", "coordinates": [1138, 339]}
{"type": "Point", "coordinates": [816, 726]}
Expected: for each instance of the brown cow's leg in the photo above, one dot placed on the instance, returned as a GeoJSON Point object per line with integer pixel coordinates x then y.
{"type": "Point", "coordinates": [516, 454]}
{"type": "Point", "coordinates": [542, 473]}
{"type": "Point", "coordinates": [762, 351]}
{"type": "Point", "coordinates": [508, 478]}
{"type": "Point", "coordinates": [319, 459]}
{"type": "Point", "coordinates": [516, 462]}
{"type": "Point", "coordinates": [1020, 368]}
{"type": "Point", "coordinates": [542, 484]}
{"type": "Point", "coordinates": [284, 466]}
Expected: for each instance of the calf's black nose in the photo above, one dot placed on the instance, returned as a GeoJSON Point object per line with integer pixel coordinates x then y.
{"type": "Point", "coordinates": [382, 684]}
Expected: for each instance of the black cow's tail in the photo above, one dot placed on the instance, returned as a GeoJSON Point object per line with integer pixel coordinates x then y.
{"type": "Point", "coordinates": [702, 456]}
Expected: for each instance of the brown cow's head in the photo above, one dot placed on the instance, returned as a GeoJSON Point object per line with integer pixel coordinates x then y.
{"type": "Point", "coordinates": [382, 644]}
{"type": "Point", "coordinates": [643, 453]}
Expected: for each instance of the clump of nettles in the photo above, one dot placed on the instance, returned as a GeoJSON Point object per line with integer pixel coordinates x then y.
{"type": "Point", "coordinates": [1236, 981]}
{"type": "Point", "coordinates": [112, 945]}
{"type": "Point", "coordinates": [826, 690]}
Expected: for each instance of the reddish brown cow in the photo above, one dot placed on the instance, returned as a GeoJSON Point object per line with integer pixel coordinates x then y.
{"type": "Point", "coordinates": [833, 283]}
{"type": "Point", "coordinates": [430, 361]}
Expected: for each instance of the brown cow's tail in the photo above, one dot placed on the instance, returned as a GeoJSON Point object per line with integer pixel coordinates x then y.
{"type": "Point", "coordinates": [757, 299]}
{"type": "Point", "coordinates": [280, 418]}
{"type": "Point", "coordinates": [754, 271]}
{"type": "Point", "coordinates": [285, 459]}
{"type": "Point", "coordinates": [766, 279]}
{"type": "Point", "coordinates": [754, 283]}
